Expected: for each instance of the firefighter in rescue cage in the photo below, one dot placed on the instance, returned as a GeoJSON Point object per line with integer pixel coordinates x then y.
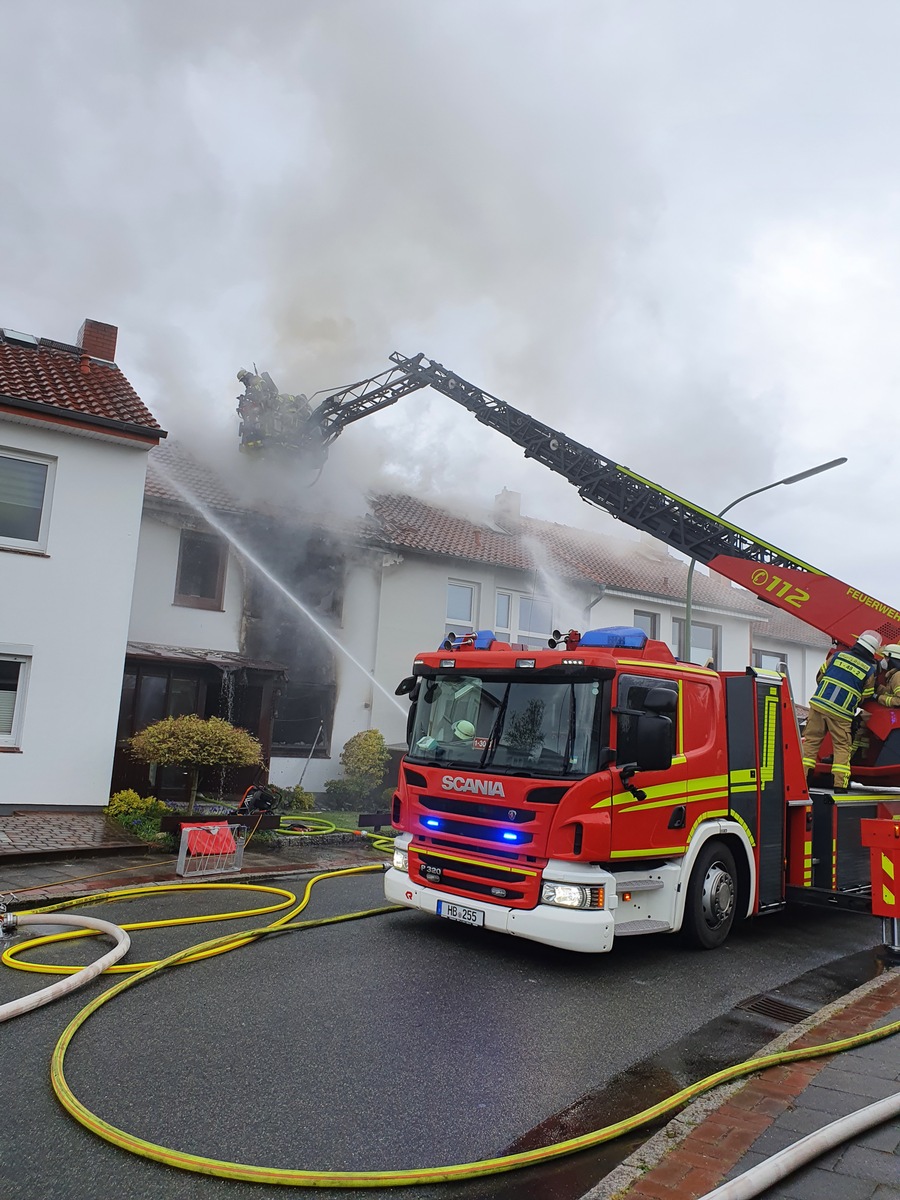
{"type": "Point", "coordinates": [844, 681]}
{"type": "Point", "coordinates": [887, 690]}
{"type": "Point", "coordinates": [269, 415]}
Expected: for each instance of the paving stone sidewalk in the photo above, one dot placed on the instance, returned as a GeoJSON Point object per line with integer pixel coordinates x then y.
{"type": "Point", "coordinates": [742, 1124]}
{"type": "Point", "coordinates": [40, 835]}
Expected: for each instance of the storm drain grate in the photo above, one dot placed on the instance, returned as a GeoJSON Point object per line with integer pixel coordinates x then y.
{"type": "Point", "coordinates": [777, 1010]}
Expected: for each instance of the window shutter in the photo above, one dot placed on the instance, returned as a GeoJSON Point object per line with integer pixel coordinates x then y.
{"type": "Point", "coordinates": [22, 482]}
{"type": "Point", "coordinates": [7, 708]}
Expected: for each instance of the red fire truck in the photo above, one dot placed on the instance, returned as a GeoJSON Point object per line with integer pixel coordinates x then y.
{"type": "Point", "coordinates": [599, 788]}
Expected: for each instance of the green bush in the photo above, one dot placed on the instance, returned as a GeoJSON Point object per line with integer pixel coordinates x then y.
{"type": "Point", "coordinates": [365, 759]}
{"type": "Point", "coordinates": [138, 815]}
{"type": "Point", "coordinates": [291, 799]}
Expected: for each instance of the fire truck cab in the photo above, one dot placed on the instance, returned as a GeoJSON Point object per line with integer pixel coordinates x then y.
{"type": "Point", "coordinates": [595, 790]}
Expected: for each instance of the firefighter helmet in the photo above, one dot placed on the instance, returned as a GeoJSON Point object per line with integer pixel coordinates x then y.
{"type": "Point", "coordinates": [892, 651]}
{"type": "Point", "coordinates": [870, 640]}
{"type": "Point", "coordinates": [463, 730]}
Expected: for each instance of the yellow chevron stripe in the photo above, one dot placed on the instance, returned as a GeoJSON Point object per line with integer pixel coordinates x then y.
{"type": "Point", "coordinates": [887, 866]}
{"type": "Point", "coordinates": [708, 816]}
{"type": "Point", "coordinates": [648, 852]}
{"type": "Point", "coordinates": [681, 668]}
{"type": "Point", "coordinates": [644, 804]}
{"type": "Point", "coordinates": [690, 789]}
{"type": "Point", "coordinates": [742, 775]}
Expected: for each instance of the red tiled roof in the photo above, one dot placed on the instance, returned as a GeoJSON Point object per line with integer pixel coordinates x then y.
{"type": "Point", "coordinates": [170, 464]}
{"type": "Point", "coordinates": [644, 567]}
{"type": "Point", "coordinates": [49, 374]}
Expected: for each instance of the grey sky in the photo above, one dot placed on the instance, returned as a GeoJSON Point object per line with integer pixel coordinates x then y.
{"type": "Point", "coordinates": [668, 229]}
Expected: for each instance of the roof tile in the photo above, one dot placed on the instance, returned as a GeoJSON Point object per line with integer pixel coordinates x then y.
{"type": "Point", "coordinates": [50, 374]}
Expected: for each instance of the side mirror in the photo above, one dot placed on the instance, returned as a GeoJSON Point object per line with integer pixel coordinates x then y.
{"type": "Point", "coordinates": [405, 686]}
{"type": "Point", "coordinates": [661, 700]}
{"type": "Point", "coordinates": [654, 742]}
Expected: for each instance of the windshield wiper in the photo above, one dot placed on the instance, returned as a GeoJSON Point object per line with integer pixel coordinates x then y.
{"type": "Point", "coordinates": [496, 729]}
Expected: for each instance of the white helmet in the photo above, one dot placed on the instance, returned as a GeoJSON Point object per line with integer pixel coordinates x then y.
{"type": "Point", "coordinates": [464, 730]}
{"type": "Point", "coordinates": [870, 640]}
{"type": "Point", "coordinates": [892, 651]}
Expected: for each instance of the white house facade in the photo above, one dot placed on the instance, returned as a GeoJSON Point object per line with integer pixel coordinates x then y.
{"type": "Point", "coordinates": [74, 439]}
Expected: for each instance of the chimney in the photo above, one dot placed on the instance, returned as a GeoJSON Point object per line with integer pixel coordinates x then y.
{"type": "Point", "coordinates": [98, 340]}
{"type": "Point", "coordinates": [507, 507]}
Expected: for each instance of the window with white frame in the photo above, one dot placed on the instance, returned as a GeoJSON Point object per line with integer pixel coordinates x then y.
{"type": "Point", "coordinates": [462, 607]}
{"type": "Point", "coordinates": [13, 683]}
{"type": "Point", "coordinates": [535, 621]}
{"type": "Point", "coordinates": [26, 487]}
{"type": "Point", "coordinates": [503, 610]}
{"type": "Point", "coordinates": [705, 642]}
{"type": "Point", "coordinates": [527, 620]}
{"type": "Point", "coordinates": [648, 621]}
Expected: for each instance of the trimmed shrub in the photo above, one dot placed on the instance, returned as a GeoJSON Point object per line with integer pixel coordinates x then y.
{"type": "Point", "coordinates": [365, 758]}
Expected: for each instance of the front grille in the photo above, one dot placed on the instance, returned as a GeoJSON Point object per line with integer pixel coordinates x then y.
{"type": "Point", "coordinates": [474, 879]}
{"type": "Point", "coordinates": [473, 808]}
{"type": "Point", "coordinates": [483, 869]}
{"type": "Point", "coordinates": [465, 848]}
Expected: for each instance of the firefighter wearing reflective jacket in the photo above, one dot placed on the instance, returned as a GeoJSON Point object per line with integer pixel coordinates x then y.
{"type": "Point", "coordinates": [844, 681]}
{"type": "Point", "coordinates": [887, 690]}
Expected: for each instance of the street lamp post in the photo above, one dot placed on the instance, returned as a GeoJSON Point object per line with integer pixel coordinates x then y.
{"type": "Point", "coordinates": [835, 462]}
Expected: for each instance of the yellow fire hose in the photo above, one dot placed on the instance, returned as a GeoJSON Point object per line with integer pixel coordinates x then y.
{"type": "Point", "coordinates": [356, 1179]}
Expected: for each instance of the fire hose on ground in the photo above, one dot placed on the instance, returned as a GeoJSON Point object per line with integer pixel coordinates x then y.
{"type": "Point", "coordinates": [746, 1186]}
{"type": "Point", "coordinates": [82, 975]}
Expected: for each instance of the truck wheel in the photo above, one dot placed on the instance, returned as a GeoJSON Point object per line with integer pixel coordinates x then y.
{"type": "Point", "coordinates": [711, 897]}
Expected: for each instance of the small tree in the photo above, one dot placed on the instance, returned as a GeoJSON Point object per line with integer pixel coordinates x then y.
{"type": "Point", "coordinates": [194, 743]}
{"type": "Point", "coordinates": [365, 758]}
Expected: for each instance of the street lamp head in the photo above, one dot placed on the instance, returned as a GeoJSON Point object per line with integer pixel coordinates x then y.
{"type": "Point", "coordinates": [835, 462]}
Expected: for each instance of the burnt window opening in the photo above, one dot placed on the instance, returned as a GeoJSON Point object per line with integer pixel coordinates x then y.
{"type": "Point", "coordinates": [200, 579]}
{"type": "Point", "coordinates": [304, 713]}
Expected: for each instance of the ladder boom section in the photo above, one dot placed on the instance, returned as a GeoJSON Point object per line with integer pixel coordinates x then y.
{"type": "Point", "coordinates": [775, 576]}
{"type": "Point", "coordinates": [369, 395]}
{"type": "Point", "coordinates": [604, 483]}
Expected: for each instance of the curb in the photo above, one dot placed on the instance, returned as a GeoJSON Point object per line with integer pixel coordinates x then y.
{"type": "Point", "coordinates": [766, 1099]}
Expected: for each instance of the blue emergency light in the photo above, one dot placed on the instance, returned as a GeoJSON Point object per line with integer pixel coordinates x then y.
{"type": "Point", "coordinates": [619, 637]}
{"type": "Point", "coordinates": [432, 822]}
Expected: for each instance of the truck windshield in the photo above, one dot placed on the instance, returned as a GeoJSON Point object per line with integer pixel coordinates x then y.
{"type": "Point", "coordinates": [538, 727]}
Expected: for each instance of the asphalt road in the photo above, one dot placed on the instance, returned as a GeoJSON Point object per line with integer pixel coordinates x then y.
{"type": "Point", "coordinates": [394, 1042]}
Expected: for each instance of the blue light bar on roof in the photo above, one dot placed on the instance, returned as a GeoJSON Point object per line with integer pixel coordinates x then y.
{"type": "Point", "coordinates": [619, 637]}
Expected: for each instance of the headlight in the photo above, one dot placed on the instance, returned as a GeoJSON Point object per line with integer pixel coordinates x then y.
{"type": "Point", "coordinates": [572, 895]}
{"type": "Point", "coordinates": [401, 860]}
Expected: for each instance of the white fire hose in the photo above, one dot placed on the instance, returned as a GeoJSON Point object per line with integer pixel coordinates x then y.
{"type": "Point", "coordinates": [15, 1008]}
{"type": "Point", "coordinates": [766, 1174]}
